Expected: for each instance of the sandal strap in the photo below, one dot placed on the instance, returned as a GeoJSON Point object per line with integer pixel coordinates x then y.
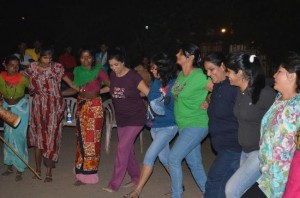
{"type": "Point", "coordinates": [137, 192]}
{"type": "Point", "coordinates": [128, 195]}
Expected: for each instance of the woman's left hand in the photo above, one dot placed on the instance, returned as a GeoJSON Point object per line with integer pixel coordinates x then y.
{"type": "Point", "coordinates": [204, 105]}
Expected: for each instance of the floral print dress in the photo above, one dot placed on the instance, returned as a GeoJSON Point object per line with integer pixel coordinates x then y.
{"type": "Point", "coordinates": [278, 128]}
{"type": "Point", "coordinates": [47, 109]}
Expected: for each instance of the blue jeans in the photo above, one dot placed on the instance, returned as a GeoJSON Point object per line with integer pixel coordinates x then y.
{"type": "Point", "coordinates": [222, 168]}
{"type": "Point", "coordinates": [188, 147]}
{"type": "Point", "coordinates": [160, 145]}
{"type": "Point", "coordinates": [245, 176]}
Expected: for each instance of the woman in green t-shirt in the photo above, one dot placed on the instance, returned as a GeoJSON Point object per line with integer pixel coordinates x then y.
{"type": "Point", "coordinates": [189, 91]}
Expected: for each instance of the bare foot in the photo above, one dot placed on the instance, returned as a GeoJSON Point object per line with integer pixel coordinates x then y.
{"type": "Point", "coordinates": [78, 183]}
{"type": "Point", "coordinates": [7, 172]}
{"type": "Point", "coordinates": [35, 177]}
{"type": "Point", "coordinates": [48, 179]}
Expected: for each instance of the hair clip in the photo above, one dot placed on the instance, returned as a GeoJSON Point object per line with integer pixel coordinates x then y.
{"type": "Point", "coordinates": [251, 58]}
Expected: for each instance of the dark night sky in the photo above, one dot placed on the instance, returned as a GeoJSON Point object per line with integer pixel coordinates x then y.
{"type": "Point", "coordinates": [272, 24]}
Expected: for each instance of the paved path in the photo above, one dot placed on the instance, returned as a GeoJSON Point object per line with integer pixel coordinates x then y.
{"type": "Point", "coordinates": [63, 178]}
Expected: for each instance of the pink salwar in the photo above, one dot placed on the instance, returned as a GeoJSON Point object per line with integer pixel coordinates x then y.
{"type": "Point", "coordinates": [125, 158]}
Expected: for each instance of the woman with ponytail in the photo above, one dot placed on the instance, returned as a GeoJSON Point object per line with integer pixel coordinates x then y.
{"type": "Point", "coordinates": [189, 91]}
{"type": "Point", "coordinates": [161, 118]}
{"type": "Point", "coordinates": [252, 102]}
{"type": "Point", "coordinates": [126, 89]}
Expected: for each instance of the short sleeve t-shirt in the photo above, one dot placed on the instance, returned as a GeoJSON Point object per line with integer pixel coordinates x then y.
{"type": "Point", "coordinates": [129, 106]}
{"type": "Point", "coordinates": [189, 93]}
{"type": "Point", "coordinates": [33, 54]}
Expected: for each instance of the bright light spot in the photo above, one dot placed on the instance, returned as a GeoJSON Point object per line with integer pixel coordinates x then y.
{"type": "Point", "coordinates": [23, 18]}
{"type": "Point", "coordinates": [223, 30]}
{"type": "Point", "coordinates": [146, 27]}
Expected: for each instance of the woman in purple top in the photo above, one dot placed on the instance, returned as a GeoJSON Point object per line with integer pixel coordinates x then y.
{"type": "Point", "coordinates": [126, 88]}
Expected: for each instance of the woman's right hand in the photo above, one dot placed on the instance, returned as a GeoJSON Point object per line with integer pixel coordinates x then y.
{"type": "Point", "coordinates": [69, 92]}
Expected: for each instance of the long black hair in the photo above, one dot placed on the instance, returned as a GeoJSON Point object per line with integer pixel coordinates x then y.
{"type": "Point", "coordinates": [117, 54]}
{"type": "Point", "coordinates": [252, 70]}
{"type": "Point", "coordinates": [189, 49]}
{"type": "Point", "coordinates": [217, 58]}
{"type": "Point", "coordinates": [166, 68]}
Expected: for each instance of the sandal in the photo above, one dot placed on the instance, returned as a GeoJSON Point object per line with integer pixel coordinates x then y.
{"type": "Point", "coordinates": [130, 195]}
{"type": "Point", "coordinates": [18, 176]}
{"type": "Point", "coordinates": [108, 189]}
{"type": "Point", "coordinates": [48, 179]}
{"type": "Point", "coordinates": [7, 172]}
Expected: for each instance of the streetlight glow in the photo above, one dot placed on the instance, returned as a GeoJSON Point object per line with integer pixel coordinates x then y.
{"type": "Point", "coordinates": [223, 30]}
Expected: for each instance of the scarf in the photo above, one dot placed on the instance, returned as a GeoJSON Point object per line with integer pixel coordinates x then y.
{"type": "Point", "coordinates": [83, 76]}
{"type": "Point", "coordinates": [12, 80]}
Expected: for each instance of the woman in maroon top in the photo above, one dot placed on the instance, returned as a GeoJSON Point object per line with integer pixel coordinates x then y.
{"type": "Point", "coordinates": [125, 89]}
{"type": "Point", "coordinates": [89, 117]}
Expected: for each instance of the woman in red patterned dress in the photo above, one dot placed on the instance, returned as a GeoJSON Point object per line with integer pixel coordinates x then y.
{"type": "Point", "coordinates": [47, 110]}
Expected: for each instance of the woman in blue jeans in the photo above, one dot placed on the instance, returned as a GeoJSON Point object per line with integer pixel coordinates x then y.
{"type": "Point", "coordinates": [252, 102]}
{"type": "Point", "coordinates": [189, 91]}
{"type": "Point", "coordinates": [160, 117]}
{"type": "Point", "coordinates": [222, 127]}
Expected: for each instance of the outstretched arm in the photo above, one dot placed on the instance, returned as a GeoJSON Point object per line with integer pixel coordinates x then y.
{"type": "Point", "coordinates": [106, 81]}
{"type": "Point", "coordinates": [70, 83]}
{"type": "Point", "coordinates": [210, 85]}
{"type": "Point", "coordinates": [144, 89]}
{"type": "Point", "coordinates": [69, 92]}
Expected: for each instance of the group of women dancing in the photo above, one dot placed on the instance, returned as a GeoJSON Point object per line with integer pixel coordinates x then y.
{"type": "Point", "coordinates": [253, 129]}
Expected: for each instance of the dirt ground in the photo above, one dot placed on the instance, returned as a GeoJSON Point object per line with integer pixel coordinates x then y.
{"type": "Point", "coordinates": [63, 178]}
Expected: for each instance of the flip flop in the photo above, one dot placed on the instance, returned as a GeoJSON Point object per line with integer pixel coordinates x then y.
{"type": "Point", "coordinates": [129, 184]}
{"type": "Point", "coordinates": [18, 176]}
